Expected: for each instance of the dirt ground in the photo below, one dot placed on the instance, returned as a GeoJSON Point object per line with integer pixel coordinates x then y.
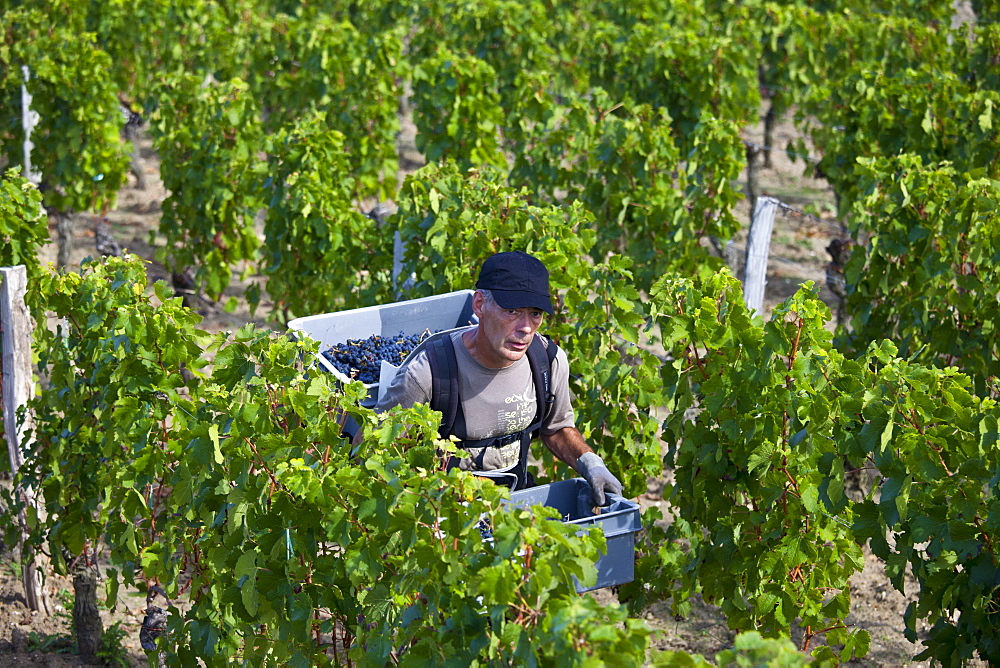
{"type": "Point", "coordinates": [32, 639]}
{"type": "Point", "coordinates": [802, 231]}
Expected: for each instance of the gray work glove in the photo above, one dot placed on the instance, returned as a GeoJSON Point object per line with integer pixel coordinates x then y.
{"type": "Point", "coordinates": [597, 475]}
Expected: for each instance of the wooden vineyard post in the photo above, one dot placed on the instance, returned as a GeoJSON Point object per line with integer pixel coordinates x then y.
{"type": "Point", "coordinates": [16, 388]}
{"type": "Point", "coordinates": [398, 249]}
{"type": "Point", "coordinates": [758, 249]}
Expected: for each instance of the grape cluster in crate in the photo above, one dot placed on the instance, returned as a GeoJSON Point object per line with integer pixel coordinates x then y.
{"type": "Point", "coordinates": [361, 359]}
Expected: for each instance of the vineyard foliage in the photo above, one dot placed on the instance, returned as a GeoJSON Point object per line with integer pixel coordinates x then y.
{"type": "Point", "coordinates": [310, 62]}
{"type": "Point", "coordinates": [208, 136]}
{"type": "Point", "coordinates": [606, 138]}
{"type": "Point", "coordinates": [78, 150]}
{"type": "Point", "coordinates": [936, 234]}
{"type": "Point", "coordinates": [238, 490]}
{"type": "Point", "coordinates": [312, 224]}
{"type": "Point", "coordinates": [23, 228]}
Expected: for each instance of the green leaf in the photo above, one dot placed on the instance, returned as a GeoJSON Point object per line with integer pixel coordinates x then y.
{"type": "Point", "coordinates": [213, 434]}
{"type": "Point", "coordinates": [250, 596]}
{"type": "Point", "coordinates": [986, 118]}
{"type": "Point", "coordinates": [112, 584]}
{"type": "Point", "coordinates": [246, 565]}
{"type": "Point", "coordinates": [761, 456]}
{"type": "Point", "coordinates": [927, 125]}
{"type": "Point", "coordinates": [810, 499]}
{"type": "Point", "coordinates": [858, 644]}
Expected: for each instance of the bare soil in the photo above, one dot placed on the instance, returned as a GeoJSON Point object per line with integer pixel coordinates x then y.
{"type": "Point", "coordinates": [802, 232]}
{"type": "Point", "coordinates": [32, 639]}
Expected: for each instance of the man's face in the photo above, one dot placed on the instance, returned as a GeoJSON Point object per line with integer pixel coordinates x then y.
{"type": "Point", "coordinates": [505, 333]}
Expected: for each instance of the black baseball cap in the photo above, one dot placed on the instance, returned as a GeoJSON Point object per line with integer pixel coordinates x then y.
{"type": "Point", "coordinates": [516, 280]}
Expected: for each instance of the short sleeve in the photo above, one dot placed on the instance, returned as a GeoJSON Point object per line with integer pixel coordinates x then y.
{"type": "Point", "coordinates": [411, 384]}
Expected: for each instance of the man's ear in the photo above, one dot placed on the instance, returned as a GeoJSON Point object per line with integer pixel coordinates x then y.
{"type": "Point", "coordinates": [478, 303]}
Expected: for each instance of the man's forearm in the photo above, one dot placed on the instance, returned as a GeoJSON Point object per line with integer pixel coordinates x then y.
{"type": "Point", "coordinates": [567, 444]}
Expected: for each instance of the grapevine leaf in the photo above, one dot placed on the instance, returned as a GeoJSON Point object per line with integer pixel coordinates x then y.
{"type": "Point", "coordinates": [213, 435]}
{"type": "Point", "coordinates": [761, 456]}
{"type": "Point", "coordinates": [986, 118]}
{"type": "Point", "coordinates": [858, 644]}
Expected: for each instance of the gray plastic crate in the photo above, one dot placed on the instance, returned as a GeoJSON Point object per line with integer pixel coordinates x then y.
{"type": "Point", "coordinates": [414, 316]}
{"type": "Point", "coordinates": [619, 520]}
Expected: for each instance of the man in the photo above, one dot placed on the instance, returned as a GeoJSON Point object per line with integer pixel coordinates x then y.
{"type": "Point", "coordinates": [498, 387]}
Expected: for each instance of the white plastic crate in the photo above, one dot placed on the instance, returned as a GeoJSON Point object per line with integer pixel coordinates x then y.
{"type": "Point", "coordinates": [414, 316]}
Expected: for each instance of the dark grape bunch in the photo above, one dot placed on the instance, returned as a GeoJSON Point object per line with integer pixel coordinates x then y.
{"type": "Point", "coordinates": [361, 359]}
{"type": "Point", "coordinates": [485, 529]}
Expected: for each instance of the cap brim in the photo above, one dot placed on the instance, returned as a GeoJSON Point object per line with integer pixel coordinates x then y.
{"type": "Point", "coordinates": [522, 299]}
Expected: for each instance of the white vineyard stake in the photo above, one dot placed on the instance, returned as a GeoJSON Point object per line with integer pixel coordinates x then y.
{"type": "Point", "coordinates": [758, 249]}
{"type": "Point", "coordinates": [29, 119]}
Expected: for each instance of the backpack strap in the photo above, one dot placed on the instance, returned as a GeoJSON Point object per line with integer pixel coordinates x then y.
{"type": "Point", "coordinates": [444, 381]}
{"type": "Point", "coordinates": [540, 359]}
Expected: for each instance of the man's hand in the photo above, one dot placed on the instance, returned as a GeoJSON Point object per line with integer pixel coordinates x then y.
{"type": "Point", "coordinates": [568, 445]}
{"type": "Point", "coordinates": [592, 468]}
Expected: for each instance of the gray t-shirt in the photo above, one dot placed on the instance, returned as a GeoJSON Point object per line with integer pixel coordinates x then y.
{"type": "Point", "coordinates": [495, 402]}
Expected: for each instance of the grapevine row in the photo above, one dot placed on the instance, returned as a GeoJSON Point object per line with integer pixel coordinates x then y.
{"type": "Point", "coordinates": [543, 139]}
